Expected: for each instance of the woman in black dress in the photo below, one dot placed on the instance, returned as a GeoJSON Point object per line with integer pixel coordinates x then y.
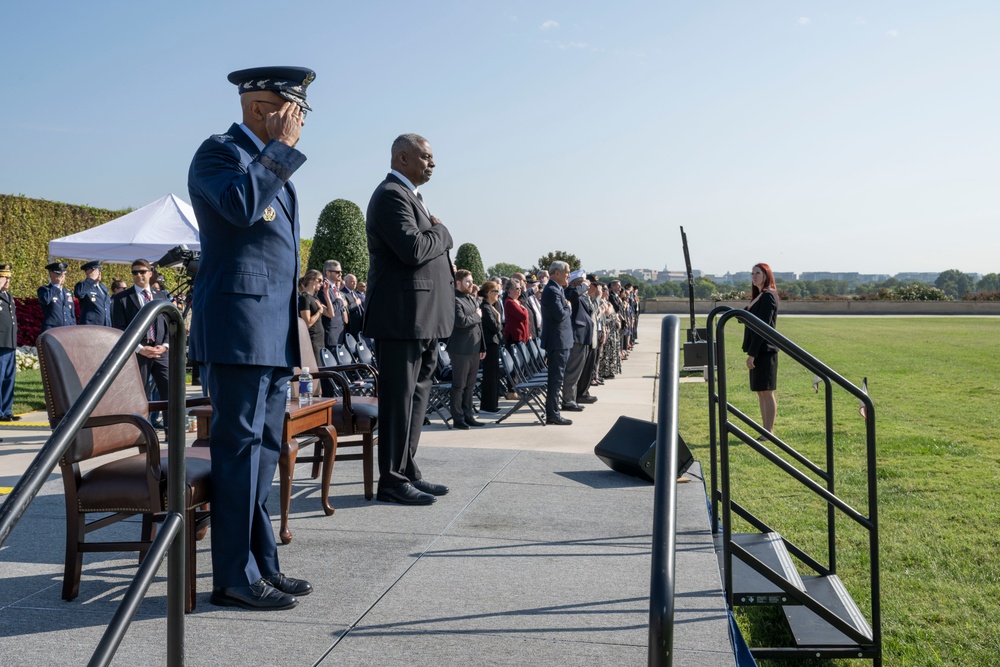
{"type": "Point", "coordinates": [311, 309]}
{"type": "Point", "coordinates": [762, 357]}
{"type": "Point", "coordinates": [493, 333]}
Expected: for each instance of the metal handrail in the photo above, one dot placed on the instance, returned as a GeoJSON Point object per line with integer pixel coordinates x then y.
{"type": "Point", "coordinates": [661, 596]}
{"type": "Point", "coordinates": [63, 434]}
{"type": "Point", "coordinates": [719, 409]}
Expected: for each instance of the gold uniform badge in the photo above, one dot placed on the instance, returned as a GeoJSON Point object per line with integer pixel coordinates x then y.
{"type": "Point", "coordinates": [269, 214]}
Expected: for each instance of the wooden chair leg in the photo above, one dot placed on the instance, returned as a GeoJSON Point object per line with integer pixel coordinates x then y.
{"type": "Point", "coordinates": [317, 453]}
{"type": "Point", "coordinates": [328, 436]}
{"type": "Point", "coordinates": [75, 527]}
{"type": "Point", "coordinates": [286, 468]}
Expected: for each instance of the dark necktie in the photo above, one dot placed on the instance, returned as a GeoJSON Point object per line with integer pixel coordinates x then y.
{"type": "Point", "coordinates": [421, 198]}
{"type": "Point", "coordinates": [150, 334]}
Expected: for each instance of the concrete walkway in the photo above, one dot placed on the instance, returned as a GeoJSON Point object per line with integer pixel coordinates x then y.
{"type": "Point", "coordinates": [540, 555]}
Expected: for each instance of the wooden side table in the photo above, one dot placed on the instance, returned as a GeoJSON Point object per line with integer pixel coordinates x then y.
{"type": "Point", "coordinates": [314, 419]}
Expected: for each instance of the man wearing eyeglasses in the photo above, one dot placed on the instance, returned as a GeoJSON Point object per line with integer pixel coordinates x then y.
{"type": "Point", "coordinates": [245, 326]}
{"type": "Point", "coordinates": [334, 327]}
{"type": "Point", "coordinates": [152, 348]}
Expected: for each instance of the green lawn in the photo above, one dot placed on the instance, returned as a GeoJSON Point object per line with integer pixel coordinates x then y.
{"type": "Point", "coordinates": [28, 393]}
{"type": "Point", "coordinates": [935, 383]}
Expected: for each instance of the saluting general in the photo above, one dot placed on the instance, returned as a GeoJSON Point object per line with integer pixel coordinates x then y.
{"type": "Point", "coordinates": [56, 300]}
{"type": "Point", "coordinates": [245, 332]}
{"type": "Point", "coordinates": [409, 306]}
{"type": "Point", "coordinates": [95, 303]}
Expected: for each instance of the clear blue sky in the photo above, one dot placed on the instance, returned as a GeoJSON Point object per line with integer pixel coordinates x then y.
{"type": "Point", "coordinates": [815, 136]}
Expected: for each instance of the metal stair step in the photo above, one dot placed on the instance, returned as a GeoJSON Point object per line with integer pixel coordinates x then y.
{"type": "Point", "coordinates": [749, 586]}
{"type": "Point", "coordinates": [809, 630]}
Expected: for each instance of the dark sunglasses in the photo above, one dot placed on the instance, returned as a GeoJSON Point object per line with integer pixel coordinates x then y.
{"type": "Point", "coordinates": [140, 271]}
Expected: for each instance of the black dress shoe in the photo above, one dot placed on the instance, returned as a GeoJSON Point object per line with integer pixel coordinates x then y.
{"type": "Point", "coordinates": [559, 421]}
{"type": "Point", "coordinates": [461, 426]}
{"type": "Point", "coordinates": [429, 487]}
{"type": "Point", "coordinates": [473, 422]}
{"type": "Point", "coordinates": [289, 585]}
{"type": "Point", "coordinates": [572, 407]}
{"type": "Point", "coordinates": [586, 399]}
{"type": "Point", "coordinates": [404, 494]}
{"type": "Point", "coordinates": [12, 418]}
{"type": "Point", "coordinates": [261, 596]}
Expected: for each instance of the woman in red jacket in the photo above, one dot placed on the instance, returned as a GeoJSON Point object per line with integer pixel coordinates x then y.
{"type": "Point", "coordinates": [515, 328]}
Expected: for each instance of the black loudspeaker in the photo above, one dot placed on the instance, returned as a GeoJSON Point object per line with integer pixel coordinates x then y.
{"type": "Point", "coordinates": [630, 448]}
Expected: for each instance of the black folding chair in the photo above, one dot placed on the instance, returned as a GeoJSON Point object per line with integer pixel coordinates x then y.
{"type": "Point", "coordinates": [530, 393]}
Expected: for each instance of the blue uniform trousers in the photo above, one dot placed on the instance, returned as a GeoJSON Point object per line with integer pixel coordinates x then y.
{"type": "Point", "coordinates": [557, 360]}
{"type": "Point", "coordinates": [248, 412]}
{"type": "Point", "coordinates": [8, 368]}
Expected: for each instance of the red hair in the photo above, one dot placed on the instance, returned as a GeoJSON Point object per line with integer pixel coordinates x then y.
{"type": "Point", "coordinates": [769, 283]}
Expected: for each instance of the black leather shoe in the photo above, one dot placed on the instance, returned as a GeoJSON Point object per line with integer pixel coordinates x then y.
{"type": "Point", "coordinates": [461, 426]}
{"type": "Point", "coordinates": [261, 596]}
{"type": "Point", "coordinates": [289, 585]}
{"type": "Point", "coordinates": [473, 422]}
{"type": "Point", "coordinates": [586, 399]}
{"type": "Point", "coordinates": [571, 407]}
{"type": "Point", "coordinates": [12, 418]}
{"type": "Point", "coordinates": [429, 487]}
{"type": "Point", "coordinates": [559, 421]}
{"type": "Point", "coordinates": [404, 494]}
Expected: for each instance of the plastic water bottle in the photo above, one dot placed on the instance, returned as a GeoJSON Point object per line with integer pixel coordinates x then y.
{"type": "Point", "coordinates": [305, 387]}
{"type": "Point", "coordinates": [288, 394]}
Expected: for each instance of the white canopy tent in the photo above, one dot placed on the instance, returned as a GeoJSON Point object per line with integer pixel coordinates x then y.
{"type": "Point", "coordinates": [146, 233]}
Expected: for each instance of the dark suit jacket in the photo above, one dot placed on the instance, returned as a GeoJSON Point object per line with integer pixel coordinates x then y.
{"type": "Point", "coordinates": [411, 292]}
{"type": "Point", "coordinates": [126, 305]}
{"type": "Point", "coordinates": [8, 321]}
{"type": "Point", "coordinates": [355, 313]}
{"type": "Point", "coordinates": [245, 292]}
{"type": "Point", "coordinates": [492, 329]}
{"type": "Point", "coordinates": [557, 330]}
{"type": "Point", "coordinates": [582, 314]}
{"type": "Point", "coordinates": [334, 327]}
{"type": "Point", "coordinates": [766, 309]}
{"type": "Point", "coordinates": [95, 302]}
{"type": "Point", "coordinates": [467, 336]}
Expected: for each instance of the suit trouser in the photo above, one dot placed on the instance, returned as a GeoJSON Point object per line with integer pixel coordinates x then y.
{"type": "Point", "coordinates": [574, 367]}
{"type": "Point", "coordinates": [406, 369]}
{"type": "Point", "coordinates": [158, 369]}
{"type": "Point", "coordinates": [8, 368]}
{"type": "Point", "coordinates": [556, 375]}
{"type": "Point", "coordinates": [464, 368]}
{"type": "Point", "coordinates": [583, 384]}
{"type": "Point", "coordinates": [248, 413]}
{"type": "Point", "coordinates": [491, 379]}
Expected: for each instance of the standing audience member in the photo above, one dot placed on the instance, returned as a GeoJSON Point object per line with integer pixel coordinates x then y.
{"type": "Point", "coordinates": [118, 285]}
{"type": "Point", "coordinates": [557, 338]}
{"type": "Point", "coordinates": [410, 305]}
{"type": "Point", "coordinates": [95, 302]}
{"type": "Point", "coordinates": [467, 348]}
{"type": "Point", "coordinates": [311, 309]}
{"type": "Point", "coordinates": [493, 335]}
{"type": "Point", "coordinates": [330, 295]}
{"type": "Point", "coordinates": [355, 305]}
{"type": "Point", "coordinates": [583, 330]}
{"type": "Point", "coordinates": [531, 297]}
{"type": "Point", "coordinates": [515, 328]}
{"type": "Point", "coordinates": [762, 356]}
{"type": "Point", "coordinates": [246, 328]}
{"type": "Point", "coordinates": [153, 346]}
{"type": "Point", "coordinates": [56, 301]}
{"type": "Point", "coordinates": [8, 346]}
{"type": "Point", "coordinates": [583, 394]}
{"type": "Point", "coordinates": [611, 360]}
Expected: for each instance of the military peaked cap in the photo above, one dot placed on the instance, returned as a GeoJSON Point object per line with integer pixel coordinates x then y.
{"type": "Point", "coordinates": [96, 264]}
{"type": "Point", "coordinates": [56, 267]}
{"type": "Point", "coordinates": [288, 82]}
{"type": "Point", "coordinates": [5, 271]}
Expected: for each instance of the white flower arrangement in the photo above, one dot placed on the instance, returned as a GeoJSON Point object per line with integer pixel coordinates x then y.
{"type": "Point", "coordinates": [26, 358]}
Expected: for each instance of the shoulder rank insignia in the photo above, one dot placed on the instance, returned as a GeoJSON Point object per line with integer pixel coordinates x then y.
{"type": "Point", "coordinates": [269, 214]}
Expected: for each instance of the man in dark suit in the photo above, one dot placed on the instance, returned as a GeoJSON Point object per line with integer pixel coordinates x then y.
{"type": "Point", "coordinates": [355, 304]}
{"type": "Point", "coordinates": [333, 327]}
{"type": "Point", "coordinates": [56, 300]}
{"type": "Point", "coordinates": [152, 351]}
{"type": "Point", "coordinates": [467, 348]}
{"type": "Point", "coordinates": [582, 320]}
{"type": "Point", "coordinates": [245, 327]}
{"type": "Point", "coordinates": [95, 303]}
{"type": "Point", "coordinates": [557, 338]}
{"type": "Point", "coordinates": [410, 304]}
{"type": "Point", "coordinates": [8, 346]}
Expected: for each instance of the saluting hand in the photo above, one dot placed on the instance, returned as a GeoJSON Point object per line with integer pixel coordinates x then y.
{"type": "Point", "coordinates": [285, 124]}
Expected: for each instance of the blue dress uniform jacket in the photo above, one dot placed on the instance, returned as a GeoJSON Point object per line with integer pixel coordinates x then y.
{"type": "Point", "coordinates": [8, 321]}
{"type": "Point", "coordinates": [57, 307]}
{"type": "Point", "coordinates": [244, 330]}
{"type": "Point", "coordinates": [95, 303]}
{"type": "Point", "coordinates": [8, 354]}
{"type": "Point", "coordinates": [249, 265]}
